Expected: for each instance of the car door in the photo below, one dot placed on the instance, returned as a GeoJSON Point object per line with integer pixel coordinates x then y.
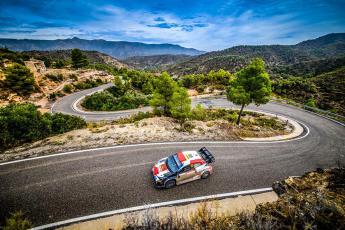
{"type": "Point", "coordinates": [185, 175]}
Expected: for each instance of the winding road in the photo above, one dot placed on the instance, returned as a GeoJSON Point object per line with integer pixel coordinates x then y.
{"type": "Point", "coordinates": [65, 186]}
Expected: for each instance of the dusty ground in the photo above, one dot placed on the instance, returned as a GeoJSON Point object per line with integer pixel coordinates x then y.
{"type": "Point", "coordinates": [156, 129]}
{"type": "Point", "coordinates": [228, 206]}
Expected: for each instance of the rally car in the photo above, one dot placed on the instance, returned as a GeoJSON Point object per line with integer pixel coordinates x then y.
{"type": "Point", "coordinates": [182, 167]}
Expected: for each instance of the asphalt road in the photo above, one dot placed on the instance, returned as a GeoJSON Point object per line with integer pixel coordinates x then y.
{"type": "Point", "coordinates": [67, 186]}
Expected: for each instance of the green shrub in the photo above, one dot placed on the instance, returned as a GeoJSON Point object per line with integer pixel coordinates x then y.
{"type": "Point", "coordinates": [17, 221]}
{"type": "Point", "coordinates": [88, 84]}
{"type": "Point", "coordinates": [135, 117]}
{"type": "Point", "coordinates": [199, 113]}
{"type": "Point", "coordinates": [73, 77]}
{"type": "Point", "coordinates": [55, 77]}
{"type": "Point", "coordinates": [20, 79]}
{"type": "Point", "coordinates": [67, 88]}
{"type": "Point", "coordinates": [52, 96]}
{"type": "Point", "coordinates": [231, 117]}
{"type": "Point", "coordinates": [59, 64]}
{"type": "Point", "coordinates": [8, 55]}
{"type": "Point", "coordinates": [311, 102]}
{"type": "Point", "coordinates": [106, 101]}
{"type": "Point", "coordinates": [23, 123]}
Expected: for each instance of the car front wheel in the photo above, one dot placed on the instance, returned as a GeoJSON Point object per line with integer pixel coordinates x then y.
{"type": "Point", "coordinates": [205, 175]}
{"type": "Point", "coordinates": [170, 184]}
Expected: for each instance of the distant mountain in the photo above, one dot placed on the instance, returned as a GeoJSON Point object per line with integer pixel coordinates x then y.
{"type": "Point", "coordinates": [275, 56]}
{"type": "Point", "coordinates": [155, 62]}
{"type": "Point", "coordinates": [94, 57]}
{"type": "Point", "coordinates": [117, 49]}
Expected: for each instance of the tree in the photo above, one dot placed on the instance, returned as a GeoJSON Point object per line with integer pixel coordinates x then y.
{"type": "Point", "coordinates": [20, 79]}
{"type": "Point", "coordinates": [119, 88]}
{"type": "Point", "coordinates": [180, 105]}
{"type": "Point", "coordinates": [219, 77]}
{"type": "Point", "coordinates": [79, 60]}
{"type": "Point", "coordinates": [251, 85]}
{"type": "Point", "coordinates": [22, 123]}
{"type": "Point", "coordinates": [164, 88]}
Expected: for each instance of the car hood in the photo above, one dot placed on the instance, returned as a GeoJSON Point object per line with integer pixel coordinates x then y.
{"type": "Point", "coordinates": [160, 169]}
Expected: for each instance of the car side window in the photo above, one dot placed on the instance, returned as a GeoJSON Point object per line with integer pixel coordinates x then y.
{"type": "Point", "coordinates": [186, 169]}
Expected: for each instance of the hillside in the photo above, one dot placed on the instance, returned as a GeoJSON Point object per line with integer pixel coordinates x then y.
{"type": "Point", "coordinates": [155, 62]}
{"type": "Point", "coordinates": [116, 49]}
{"type": "Point", "coordinates": [331, 90]}
{"type": "Point", "coordinates": [32, 81]}
{"type": "Point", "coordinates": [326, 90]}
{"type": "Point", "coordinates": [275, 56]}
{"type": "Point", "coordinates": [94, 57]}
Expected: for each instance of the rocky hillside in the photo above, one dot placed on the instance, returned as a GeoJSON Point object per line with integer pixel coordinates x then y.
{"type": "Point", "coordinates": [155, 62]}
{"type": "Point", "coordinates": [93, 57]}
{"type": "Point", "coordinates": [116, 49]}
{"type": "Point", "coordinates": [331, 90]}
{"type": "Point", "coordinates": [26, 79]}
{"type": "Point", "coordinates": [275, 56]}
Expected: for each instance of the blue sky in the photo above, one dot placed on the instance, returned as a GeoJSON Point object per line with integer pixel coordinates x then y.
{"type": "Point", "coordinates": [205, 25]}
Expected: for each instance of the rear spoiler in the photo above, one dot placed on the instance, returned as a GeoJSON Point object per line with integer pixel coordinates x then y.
{"type": "Point", "coordinates": [206, 155]}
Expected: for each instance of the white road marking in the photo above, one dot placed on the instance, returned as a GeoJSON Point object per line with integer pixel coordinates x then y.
{"type": "Point", "coordinates": [155, 144]}
{"type": "Point", "coordinates": [156, 205]}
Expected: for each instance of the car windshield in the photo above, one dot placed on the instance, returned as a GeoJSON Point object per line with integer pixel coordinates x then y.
{"type": "Point", "coordinates": [173, 163]}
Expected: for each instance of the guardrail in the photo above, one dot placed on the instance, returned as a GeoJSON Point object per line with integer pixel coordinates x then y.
{"type": "Point", "coordinates": [322, 112]}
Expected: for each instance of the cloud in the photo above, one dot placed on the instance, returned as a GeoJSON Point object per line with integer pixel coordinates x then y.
{"type": "Point", "coordinates": [159, 19]}
{"type": "Point", "coordinates": [196, 24]}
{"type": "Point", "coordinates": [164, 25]}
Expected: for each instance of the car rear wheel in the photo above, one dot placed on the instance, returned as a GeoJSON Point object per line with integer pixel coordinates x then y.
{"type": "Point", "coordinates": [170, 184]}
{"type": "Point", "coordinates": [205, 175]}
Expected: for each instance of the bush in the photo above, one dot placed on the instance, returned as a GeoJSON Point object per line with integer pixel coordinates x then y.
{"type": "Point", "coordinates": [52, 97]}
{"type": "Point", "coordinates": [17, 221]}
{"type": "Point", "coordinates": [311, 102]}
{"type": "Point", "coordinates": [59, 64]}
{"type": "Point", "coordinates": [67, 88]}
{"type": "Point", "coordinates": [55, 77]}
{"type": "Point", "coordinates": [23, 123]}
{"type": "Point", "coordinates": [73, 77]}
{"type": "Point", "coordinates": [199, 113]}
{"type": "Point", "coordinates": [88, 84]}
{"type": "Point", "coordinates": [105, 101]}
{"type": "Point", "coordinates": [20, 79]}
{"type": "Point", "coordinates": [134, 118]}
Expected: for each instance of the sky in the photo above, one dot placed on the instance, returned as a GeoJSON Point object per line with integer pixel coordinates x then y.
{"type": "Point", "coordinates": [204, 25]}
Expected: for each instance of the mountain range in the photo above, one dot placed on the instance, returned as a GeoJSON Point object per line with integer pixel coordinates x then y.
{"type": "Point", "coordinates": [276, 57]}
{"type": "Point", "coordinates": [116, 49]}
{"type": "Point", "coordinates": [155, 62]}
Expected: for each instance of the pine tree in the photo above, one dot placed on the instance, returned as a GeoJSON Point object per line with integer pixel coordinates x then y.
{"type": "Point", "coordinates": [251, 85]}
{"type": "Point", "coordinates": [79, 60]}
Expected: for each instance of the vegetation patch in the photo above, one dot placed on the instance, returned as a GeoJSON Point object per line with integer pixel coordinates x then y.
{"type": "Point", "coordinates": [23, 123]}
{"type": "Point", "coordinates": [118, 97]}
{"type": "Point", "coordinates": [20, 79]}
{"type": "Point", "coordinates": [214, 125]}
{"type": "Point", "coordinates": [313, 201]}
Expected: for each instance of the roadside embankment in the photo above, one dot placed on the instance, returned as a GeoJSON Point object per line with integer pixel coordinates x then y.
{"type": "Point", "coordinates": [206, 125]}
{"type": "Point", "coordinates": [315, 200]}
{"type": "Point", "coordinates": [228, 206]}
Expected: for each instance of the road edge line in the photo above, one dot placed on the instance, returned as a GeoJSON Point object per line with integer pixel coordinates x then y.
{"type": "Point", "coordinates": [158, 143]}
{"type": "Point", "coordinates": [155, 205]}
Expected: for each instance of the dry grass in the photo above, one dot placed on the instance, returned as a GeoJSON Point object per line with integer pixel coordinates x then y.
{"type": "Point", "coordinates": [314, 201]}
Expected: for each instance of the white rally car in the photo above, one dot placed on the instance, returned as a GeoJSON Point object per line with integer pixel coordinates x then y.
{"type": "Point", "coordinates": [182, 167]}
